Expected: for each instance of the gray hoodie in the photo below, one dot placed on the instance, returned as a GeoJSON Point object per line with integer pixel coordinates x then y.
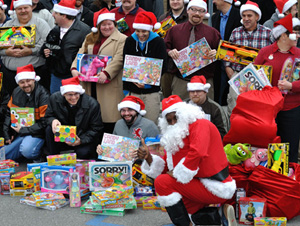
{"type": "Point", "coordinates": [270, 23]}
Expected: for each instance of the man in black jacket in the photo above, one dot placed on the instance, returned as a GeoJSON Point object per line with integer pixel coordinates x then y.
{"type": "Point", "coordinates": [26, 140]}
{"type": "Point", "coordinates": [71, 106]}
{"type": "Point", "coordinates": [84, 13]}
{"type": "Point", "coordinates": [63, 42]}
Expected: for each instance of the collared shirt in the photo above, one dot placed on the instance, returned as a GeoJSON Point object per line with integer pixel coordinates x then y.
{"type": "Point", "coordinates": [223, 22]}
{"type": "Point", "coordinates": [78, 16]}
{"type": "Point", "coordinates": [259, 38]}
{"type": "Point", "coordinates": [63, 31]}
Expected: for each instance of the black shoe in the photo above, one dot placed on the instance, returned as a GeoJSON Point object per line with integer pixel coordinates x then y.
{"type": "Point", "coordinates": [179, 214]}
{"type": "Point", "coordinates": [207, 216]}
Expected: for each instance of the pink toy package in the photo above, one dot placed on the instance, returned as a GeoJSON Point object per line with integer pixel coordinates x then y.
{"type": "Point", "coordinates": [82, 167]}
{"type": "Point", "coordinates": [74, 189]}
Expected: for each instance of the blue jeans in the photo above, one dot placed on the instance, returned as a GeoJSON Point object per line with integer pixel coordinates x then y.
{"type": "Point", "coordinates": [55, 83]}
{"type": "Point", "coordinates": [27, 146]}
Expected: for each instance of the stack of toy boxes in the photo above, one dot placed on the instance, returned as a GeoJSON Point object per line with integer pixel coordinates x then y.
{"type": "Point", "coordinates": [112, 201]}
{"type": "Point", "coordinates": [35, 168]}
{"type": "Point", "coordinates": [2, 149]}
{"type": "Point", "coordinates": [8, 166]}
{"type": "Point", "coordinates": [141, 193]}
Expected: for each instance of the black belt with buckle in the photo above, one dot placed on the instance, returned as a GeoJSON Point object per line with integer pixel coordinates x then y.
{"type": "Point", "coordinates": [220, 176]}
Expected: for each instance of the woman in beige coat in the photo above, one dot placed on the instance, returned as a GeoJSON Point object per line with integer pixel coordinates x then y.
{"type": "Point", "coordinates": [105, 40]}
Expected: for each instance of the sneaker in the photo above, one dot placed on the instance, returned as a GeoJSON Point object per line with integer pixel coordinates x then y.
{"type": "Point", "coordinates": [229, 214]}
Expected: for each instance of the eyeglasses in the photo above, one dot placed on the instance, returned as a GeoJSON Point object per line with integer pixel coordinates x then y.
{"type": "Point", "coordinates": [127, 110]}
{"type": "Point", "coordinates": [69, 95]}
{"type": "Point", "coordinates": [197, 10]}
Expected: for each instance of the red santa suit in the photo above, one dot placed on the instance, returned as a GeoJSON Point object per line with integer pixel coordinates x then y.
{"type": "Point", "coordinates": [196, 156]}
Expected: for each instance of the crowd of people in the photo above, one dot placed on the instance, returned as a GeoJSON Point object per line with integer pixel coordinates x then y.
{"type": "Point", "coordinates": [192, 119]}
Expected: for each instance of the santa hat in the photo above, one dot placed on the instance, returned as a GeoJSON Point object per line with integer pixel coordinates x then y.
{"type": "Point", "coordinates": [101, 15]}
{"type": "Point", "coordinates": [16, 3]}
{"type": "Point", "coordinates": [198, 82]}
{"type": "Point", "coordinates": [170, 104]}
{"type": "Point", "coordinates": [283, 25]}
{"type": "Point", "coordinates": [71, 85]}
{"type": "Point", "coordinates": [134, 103]}
{"type": "Point", "coordinates": [199, 3]}
{"type": "Point", "coordinates": [2, 5]}
{"type": "Point", "coordinates": [296, 22]}
{"type": "Point", "coordinates": [250, 6]}
{"type": "Point", "coordinates": [283, 5]}
{"type": "Point", "coordinates": [146, 21]}
{"type": "Point", "coordinates": [236, 3]}
{"type": "Point", "coordinates": [66, 7]}
{"type": "Point", "coordinates": [26, 72]}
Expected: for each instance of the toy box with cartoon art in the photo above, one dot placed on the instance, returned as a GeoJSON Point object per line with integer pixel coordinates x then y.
{"type": "Point", "coordinates": [117, 148]}
{"type": "Point", "coordinates": [278, 157]}
{"type": "Point", "coordinates": [63, 159]}
{"type": "Point", "coordinates": [166, 24]}
{"type": "Point", "coordinates": [140, 190]}
{"type": "Point", "coordinates": [125, 203]}
{"type": "Point", "coordinates": [83, 166]}
{"type": "Point", "coordinates": [103, 200]}
{"type": "Point", "coordinates": [104, 175]}
{"type": "Point", "coordinates": [249, 208]}
{"type": "Point", "coordinates": [139, 178]}
{"type": "Point", "coordinates": [270, 221]}
{"type": "Point", "coordinates": [1, 141]}
{"type": "Point", "coordinates": [47, 198]}
{"type": "Point", "coordinates": [8, 163]}
{"type": "Point", "coordinates": [21, 184]}
{"type": "Point", "coordinates": [65, 134]}
{"type": "Point", "coordinates": [139, 200]}
{"type": "Point", "coordinates": [17, 36]}
{"type": "Point", "coordinates": [23, 116]}
{"type": "Point", "coordinates": [119, 191]}
{"type": "Point", "coordinates": [235, 53]}
{"type": "Point", "coordinates": [55, 178]}
{"type": "Point", "coordinates": [89, 208]}
{"type": "Point", "coordinates": [90, 65]}
{"type": "Point", "coordinates": [4, 183]}
{"type": "Point", "coordinates": [151, 203]}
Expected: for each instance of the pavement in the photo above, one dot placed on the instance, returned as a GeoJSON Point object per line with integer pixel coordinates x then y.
{"type": "Point", "coordinates": [12, 213]}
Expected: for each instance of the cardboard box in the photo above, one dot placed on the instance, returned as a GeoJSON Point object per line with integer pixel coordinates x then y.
{"type": "Point", "coordinates": [65, 133]}
{"type": "Point", "coordinates": [240, 192]}
{"type": "Point", "coordinates": [23, 116]}
{"type": "Point", "coordinates": [278, 157]}
{"type": "Point", "coordinates": [63, 159]}
{"type": "Point", "coordinates": [270, 221]}
{"type": "Point", "coordinates": [249, 208]}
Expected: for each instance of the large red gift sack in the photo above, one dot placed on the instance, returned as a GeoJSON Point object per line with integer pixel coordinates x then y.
{"type": "Point", "coordinates": [253, 119]}
{"type": "Point", "coordinates": [282, 192]}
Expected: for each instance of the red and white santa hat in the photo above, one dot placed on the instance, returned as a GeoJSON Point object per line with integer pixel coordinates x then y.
{"type": "Point", "coordinates": [250, 6]}
{"type": "Point", "coordinates": [71, 85]}
{"type": "Point", "coordinates": [283, 25]}
{"type": "Point", "coordinates": [2, 5]}
{"type": "Point", "coordinates": [101, 15]}
{"type": "Point", "coordinates": [16, 3]}
{"type": "Point", "coordinates": [283, 5]}
{"type": "Point", "coordinates": [170, 104]}
{"type": "Point", "coordinates": [66, 7]}
{"type": "Point", "coordinates": [198, 82]}
{"type": "Point", "coordinates": [236, 3]}
{"type": "Point", "coordinates": [134, 103]}
{"type": "Point", "coordinates": [146, 21]}
{"type": "Point", "coordinates": [199, 3]}
{"type": "Point", "coordinates": [26, 72]}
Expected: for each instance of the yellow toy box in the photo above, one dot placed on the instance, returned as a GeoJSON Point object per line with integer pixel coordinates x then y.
{"type": "Point", "coordinates": [166, 24]}
{"type": "Point", "coordinates": [21, 184]}
{"type": "Point", "coordinates": [270, 221]}
{"type": "Point", "coordinates": [65, 134]}
{"type": "Point", "coordinates": [278, 157]}
{"type": "Point", "coordinates": [63, 159]}
{"type": "Point", "coordinates": [1, 141]}
{"type": "Point", "coordinates": [139, 177]}
{"type": "Point", "coordinates": [151, 203]}
{"type": "Point", "coordinates": [119, 191]}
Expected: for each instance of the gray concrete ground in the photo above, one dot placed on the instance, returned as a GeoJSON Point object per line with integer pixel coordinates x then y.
{"type": "Point", "coordinates": [12, 213]}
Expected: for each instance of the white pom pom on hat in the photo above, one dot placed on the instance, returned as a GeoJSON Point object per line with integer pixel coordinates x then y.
{"type": "Point", "coordinates": [101, 15]}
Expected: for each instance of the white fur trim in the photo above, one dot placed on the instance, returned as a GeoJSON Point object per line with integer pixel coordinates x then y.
{"type": "Point", "coordinates": [3, 6]}
{"type": "Point", "coordinates": [106, 16]}
{"type": "Point", "coordinates": [220, 189]}
{"type": "Point", "coordinates": [207, 15]}
{"type": "Point", "coordinates": [246, 7]}
{"type": "Point", "coordinates": [278, 30]}
{"type": "Point", "coordinates": [280, 15]}
{"type": "Point", "coordinates": [198, 86]}
{"type": "Point", "coordinates": [129, 104]}
{"type": "Point", "coordinates": [293, 37]}
{"type": "Point", "coordinates": [156, 168]}
{"type": "Point", "coordinates": [65, 10]}
{"type": "Point", "coordinates": [24, 75]}
{"type": "Point", "coordinates": [183, 174]}
{"type": "Point", "coordinates": [143, 112]}
{"type": "Point", "coordinates": [237, 3]}
{"type": "Point", "coordinates": [296, 22]}
{"type": "Point", "coordinates": [71, 88]}
{"type": "Point", "coordinates": [288, 5]}
{"type": "Point", "coordinates": [146, 27]}
{"type": "Point", "coordinates": [94, 29]}
{"type": "Point", "coordinates": [173, 135]}
{"type": "Point", "coordinates": [10, 12]}
{"type": "Point", "coordinates": [170, 161]}
{"type": "Point", "coordinates": [229, 1]}
{"type": "Point", "coordinates": [197, 3]}
{"type": "Point", "coordinates": [22, 2]}
{"type": "Point", "coordinates": [186, 1]}
{"type": "Point", "coordinates": [169, 200]}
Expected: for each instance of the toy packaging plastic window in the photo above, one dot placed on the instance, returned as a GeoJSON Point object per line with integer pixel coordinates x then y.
{"type": "Point", "coordinates": [74, 189]}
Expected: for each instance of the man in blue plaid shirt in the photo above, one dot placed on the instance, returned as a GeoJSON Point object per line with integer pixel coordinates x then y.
{"type": "Point", "coordinates": [250, 34]}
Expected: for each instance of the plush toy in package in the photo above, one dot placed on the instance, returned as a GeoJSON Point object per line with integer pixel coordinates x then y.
{"type": "Point", "coordinates": [249, 208]}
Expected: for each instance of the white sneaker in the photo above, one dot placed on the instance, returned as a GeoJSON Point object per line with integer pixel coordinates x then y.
{"type": "Point", "coordinates": [229, 214]}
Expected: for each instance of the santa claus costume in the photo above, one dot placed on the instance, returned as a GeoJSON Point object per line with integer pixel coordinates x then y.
{"type": "Point", "coordinates": [197, 159]}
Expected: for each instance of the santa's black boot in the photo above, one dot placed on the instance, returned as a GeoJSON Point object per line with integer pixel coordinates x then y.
{"type": "Point", "coordinates": [179, 214]}
{"type": "Point", "coordinates": [207, 216]}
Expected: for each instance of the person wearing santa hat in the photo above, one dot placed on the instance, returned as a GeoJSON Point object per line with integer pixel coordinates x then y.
{"type": "Point", "coordinates": [63, 42]}
{"type": "Point", "coordinates": [198, 89]}
{"type": "Point", "coordinates": [194, 172]}
{"type": "Point", "coordinates": [251, 34]}
{"type": "Point", "coordinates": [184, 34]}
{"type": "Point", "coordinates": [288, 120]}
{"type": "Point", "coordinates": [283, 8]}
{"type": "Point", "coordinates": [26, 140]}
{"type": "Point", "coordinates": [3, 16]}
{"type": "Point", "coordinates": [14, 57]}
{"type": "Point", "coordinates": [127, 13]}
{"type": "Point", "coordinates": [146, 43]}
{"type": "Point", "coordinates": [106, 40]}
{"type": "Point", "coordinates": [73, 107]}
{"type": "Point", "coordinates": [84, 13]}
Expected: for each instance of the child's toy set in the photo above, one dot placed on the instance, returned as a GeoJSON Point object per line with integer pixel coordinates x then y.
{"type": "Point", "coordinates": [23, 116]}
{"type": "Point", "coordinates": [65, 134]}
{"type": "Point", "coordinates": [47, 198]}
{"type": "Point", "coordinates": [139, 178]}
{"type": "Point", "coordinates": [249, 208]}
{"type": "Point", "coordinates": [8, 166]}
{"type": "Point", "coordinates": [278, 158]}
{"type": "Point", "coordinates": [22, 184]}
{"type": "Point", "coordinates": [151, 203]}
{"type": "Point", "coordinates": [63, 159]}
{"type": "Point", "coordinates": [74, 189]}
{"type": "Point", "coordinates": [270, 221]}
{"type": "Point", "coordinates": [166, 24]}
{"type": "Point", "coordinates": [4, 183]}
{"type": "Point", "coordinates": [2, 149]}
{"type": "Point", "coordinates": [17, 36]}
